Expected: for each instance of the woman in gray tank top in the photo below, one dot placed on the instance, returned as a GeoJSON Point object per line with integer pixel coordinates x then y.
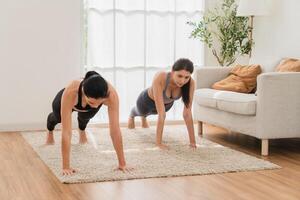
{"type": "Point", "coordinates": [159, 98]}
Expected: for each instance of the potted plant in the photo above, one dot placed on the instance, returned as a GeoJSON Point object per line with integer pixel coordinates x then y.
{"type": "Point", "coordinates": [230, 31]}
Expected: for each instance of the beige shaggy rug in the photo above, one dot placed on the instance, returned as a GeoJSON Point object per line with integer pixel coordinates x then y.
{"type": "Point", "coordinates": [96, 161]}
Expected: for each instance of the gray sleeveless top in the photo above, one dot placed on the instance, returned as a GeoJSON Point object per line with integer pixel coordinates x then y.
{"type": "Point", "coordinates": [167, 99]}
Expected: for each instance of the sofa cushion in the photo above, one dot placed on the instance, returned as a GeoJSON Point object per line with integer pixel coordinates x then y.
{"type": "Point", "coordinates": [289, 65]}
{"type": "Point", "coordinates": [238, 103]}
{"type": "Point", "coordinates": [235, 102]}
{"type": "Point", "coordinates": [205, 97]}
{"type": "Point", "coordinates": [241, 79]}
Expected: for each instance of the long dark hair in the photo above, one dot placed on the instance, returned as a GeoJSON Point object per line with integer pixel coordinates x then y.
{"type": "Point", "coordinates": [184, 64]}
{"type": "Point", "coordinates": [94, 85]}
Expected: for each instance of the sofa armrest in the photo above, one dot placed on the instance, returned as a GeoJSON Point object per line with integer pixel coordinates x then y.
{"type": "Point", "coordinates": [206, 76]}
{"type": "Point", "coordinates": [278, 105]}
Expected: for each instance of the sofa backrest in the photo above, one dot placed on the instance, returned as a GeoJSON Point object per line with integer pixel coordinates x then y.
{"type": "Point", "coordinates": [277, 35]}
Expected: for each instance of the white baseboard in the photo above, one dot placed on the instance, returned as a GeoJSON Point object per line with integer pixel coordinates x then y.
{"type": "Point", "coordinates": [38, 126]}
{"type": "Point", "coordinates": [42, 126]}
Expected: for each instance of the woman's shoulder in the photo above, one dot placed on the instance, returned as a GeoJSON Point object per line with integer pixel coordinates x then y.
{"type": "Point", "coordinates": [113, 97]}
{"type": "Point", "coordinates": [192, 80]}
{"type": "Point", "coordinates": [73, 87]}
{"type": "Point", "coordinates": [112, 92]}
{"type": "Point", "coordinates": [192, 85]}
{"type": "Point", "coordinates": [159, 79]}
{"type": "Point", "coordinates": [161, 76]}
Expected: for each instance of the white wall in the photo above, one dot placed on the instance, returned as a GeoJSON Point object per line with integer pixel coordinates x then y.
{"type": "Point", "coordinates": [276, 35]}
{"type": "Point", "coordinates": [40, 43]}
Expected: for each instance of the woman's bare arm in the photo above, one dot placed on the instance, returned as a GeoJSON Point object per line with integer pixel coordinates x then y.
{"type": "Point", "coordinates": [157, 89]}
{"type": "Point", "coordinates": [187, 115]}
{"type": "Point", "coordinates": [115, 131]}
{"type": "Point", "coordinates": [67, 103]}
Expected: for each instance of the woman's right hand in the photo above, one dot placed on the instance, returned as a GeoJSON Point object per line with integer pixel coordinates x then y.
{"type": "Point", "coordinates": [68, 171]}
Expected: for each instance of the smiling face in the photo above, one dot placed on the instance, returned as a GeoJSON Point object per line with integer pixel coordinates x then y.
{"type": "Point", "coordinates": [181, 77]}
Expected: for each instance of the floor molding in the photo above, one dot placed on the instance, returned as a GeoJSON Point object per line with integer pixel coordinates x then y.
{"type": "Point", "coordinates": [41, 126]}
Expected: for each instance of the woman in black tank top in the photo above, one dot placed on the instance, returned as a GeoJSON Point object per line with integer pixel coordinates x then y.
{"type": "Point", "coordinates": [159, 98]}
{"type": "Point", "coordinates": [85, 97]}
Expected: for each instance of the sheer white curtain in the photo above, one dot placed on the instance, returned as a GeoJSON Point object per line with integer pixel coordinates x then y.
{"type": "Point", "coordinates": [128, 41]}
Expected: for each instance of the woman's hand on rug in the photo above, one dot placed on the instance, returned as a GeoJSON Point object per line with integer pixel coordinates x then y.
{"type": "Point", "coordinates": [68, 171]}
{"type": "Point", "coordinates": [124, 169]}
{"type": "Point", "coordinates": [193, 145]}
{"type": "Point", "coordinates": [163, 146]}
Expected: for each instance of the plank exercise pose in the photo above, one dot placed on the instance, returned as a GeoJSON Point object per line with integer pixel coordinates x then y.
{"type": "Point", "coordinates": [159, 98]}
{"type": "Point", "coordinates": [86, 97]}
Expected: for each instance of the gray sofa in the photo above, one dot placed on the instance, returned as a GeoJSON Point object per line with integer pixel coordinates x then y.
{"type": "Point", "coordinates": [273, 113]}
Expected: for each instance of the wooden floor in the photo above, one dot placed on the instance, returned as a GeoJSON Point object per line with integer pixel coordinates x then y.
{"type": "Point", "coordinates": [24, 176]}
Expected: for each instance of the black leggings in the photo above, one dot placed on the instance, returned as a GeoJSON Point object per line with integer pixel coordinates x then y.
{"type": "Point", "coordinates": [146, 106]}
{"type": "Point", "coordinates": [54, 118]}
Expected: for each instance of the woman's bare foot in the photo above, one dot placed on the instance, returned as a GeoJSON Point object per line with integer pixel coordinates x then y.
{"type": "Point", "coordinates": [131, 124]}
{"type": "Point", "coordinates": [145, 123]}
{"type": "Point", "coordinates": [50, 138]}
{"type": "Point", "coordinates": [82, 137]}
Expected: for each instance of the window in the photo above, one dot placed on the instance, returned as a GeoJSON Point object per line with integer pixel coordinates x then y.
{"type": "Point", "coordinates": [128, 41]}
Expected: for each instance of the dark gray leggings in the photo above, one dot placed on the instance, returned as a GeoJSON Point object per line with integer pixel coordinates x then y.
{"type": "Point", "coordinates": [146, 106]}
{"type": "Point", "coordinates": [54, 118]}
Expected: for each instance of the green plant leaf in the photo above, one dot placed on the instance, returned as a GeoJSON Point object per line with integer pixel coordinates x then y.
{"type": "Point", "coordinates": [230, 31]}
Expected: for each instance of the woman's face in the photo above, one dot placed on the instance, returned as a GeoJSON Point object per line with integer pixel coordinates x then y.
{"type": "Point", "coordinates": [181, 77]}
{"type": "Point", "coordinates": [94, 103]}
